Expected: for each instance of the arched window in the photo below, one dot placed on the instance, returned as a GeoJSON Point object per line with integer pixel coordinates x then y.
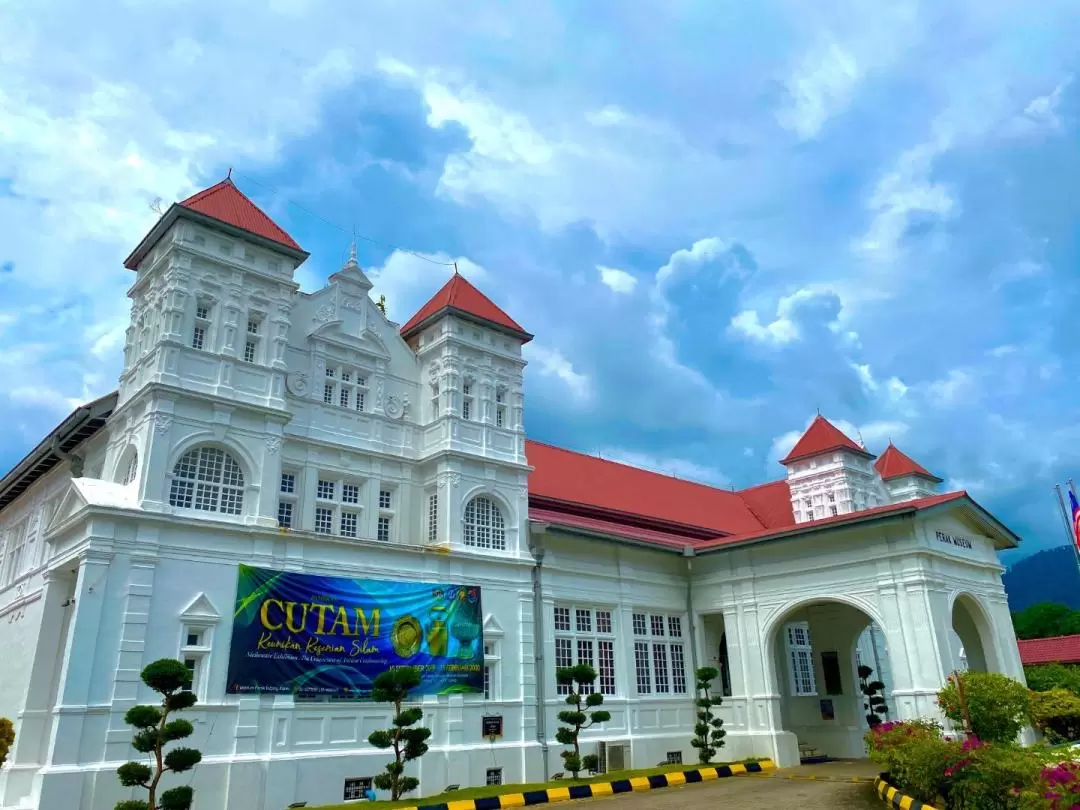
{"type": "Point", "coordinates": [484, 524]}
{"type": "Point", "coordinates": [209, 479]}
{"type": "Point", "coordinates": [131, 468]}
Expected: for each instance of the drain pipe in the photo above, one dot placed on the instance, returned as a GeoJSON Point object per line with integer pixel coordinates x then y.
{"type": "Point", "coordinates": [537, 550]}
{"type": "Point", "coordinates": [688, 554]}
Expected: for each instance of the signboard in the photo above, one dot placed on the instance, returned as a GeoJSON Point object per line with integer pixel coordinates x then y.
{"type": "Point", "coordinates": [306, 634]}
{"type": "Point", "coordinates": [493, 725]}
{"type": "Point", "coordinates": [954, 540]}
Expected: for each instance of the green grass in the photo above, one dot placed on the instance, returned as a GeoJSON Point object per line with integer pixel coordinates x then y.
{"type": "Point", "coordinates": [498, 790]}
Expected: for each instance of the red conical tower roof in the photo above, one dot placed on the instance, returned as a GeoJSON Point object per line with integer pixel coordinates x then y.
{"type": "Point", "coordinates": [459, 297]}
{"type": "Point", "coordinates": [822, 437]}
{"type": "Point", "coordinates": [225, 205]}
{"type": "Point", "coordinates": [894, 464]}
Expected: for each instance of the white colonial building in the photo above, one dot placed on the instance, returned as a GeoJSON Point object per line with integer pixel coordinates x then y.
{"type": "Point", "coordinates": [303, 432]}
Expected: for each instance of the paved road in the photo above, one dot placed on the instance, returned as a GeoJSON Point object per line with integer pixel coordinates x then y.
{"type": "Point", "coordinates": [775, 792]}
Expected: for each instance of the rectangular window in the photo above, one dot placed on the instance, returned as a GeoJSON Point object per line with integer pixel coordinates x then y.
{"type": "Point", "coordinates": [385, 499]}
{"type": "Point", "coordinates": [345, 397]}
{"type": "Point", "coordinates": [641, 667]}
{"type": "Point", "coordinates": [801, 660]}
{"type": "Point", "coordinates": [328, 394]}
{"type": "Point", "coordinates": [253, 326]}
{"type": "Point", "coordinates": [284, 514]}
{"type": "Point", "coordinates": [500, 407]}
{"type": "Point", "coordinates": [466, 409]}
{"type": "Point", "coordinates": [348, 524]}
{"type": "Point", "coordinates": [325, 490]}
{"type": "Point", "coordinates": [350, 493]}
{"type": "Point", "coordinates": [494, 776]}
{"type": "Point", "coordinates": [330, 372]}
{"type": "Point", "coordinates": [194, 652]}
{"type": "Point", "coordinates": [487, 683]}
{"type": "Point", "coordinates": [384, 528]}
{"type": "Point", "coordinates": [198, 337]}
{"type": "Point", "coordinates": [586, 636]}
{"type": "Point", "coordinates": [356, 788]}
{"type": "Point", "coordinates": [433, 517]}
{"type": "Point", "coordinates": [360, 400]}
{"type": "Point", "coordinates": [288, 483]}
{"type": "Point", "coordinates": [324, 520]}
{"type": "Point", "coordinates": [659, 657]}
{"type": "Point", "coordinates": [249, 351]}
{"type": "Point", "coordinates": [202, 311]}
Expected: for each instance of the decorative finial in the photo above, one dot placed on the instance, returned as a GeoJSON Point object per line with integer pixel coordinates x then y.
{"type": "Point", "coordinates": [229, 175]}
{"type": "Point", "coordinates": [455, 269]}
{"type": "Point", "coordinates": [818, 411]}
{"type": "Point", "coordinates": [862, 444]}
{"type": "Point", "coordinates": [352, 251]}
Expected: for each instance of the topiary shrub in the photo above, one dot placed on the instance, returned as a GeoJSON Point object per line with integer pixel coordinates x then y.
{"type": "Point", "coordinates": [576, 719]}
{"type": "Point", "coordinates": [170, 679]}
{"type": "Point", "coordinates": [993, 707]}
{"type": "Point", "coordinates": [7, 738]}
{"type": "Point", "coordinates": [873, 697]}
{"type": "Point", "coordinates": [393, 686]}
{"type": "Point", "coordinates": [709, 730]}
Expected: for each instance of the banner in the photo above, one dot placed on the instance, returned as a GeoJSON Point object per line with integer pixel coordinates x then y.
{"type": "Point", "coordinates": [306, 634]}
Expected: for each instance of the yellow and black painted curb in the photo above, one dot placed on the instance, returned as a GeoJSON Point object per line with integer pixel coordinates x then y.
{"type": "Point", "coordinates": [891, 795]}
{"type": "Point", "coordinates": [595, 789]}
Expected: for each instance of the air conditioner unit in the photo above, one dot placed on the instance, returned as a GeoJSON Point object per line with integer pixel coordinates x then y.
{"type": "Point", "coordinates": [613, 756]}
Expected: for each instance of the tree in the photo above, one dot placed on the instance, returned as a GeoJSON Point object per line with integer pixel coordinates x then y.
{"type": "Point", "coordinates": [7, 739]}
{"type": "Point", "coordinates": [709, 730]}
{"type": "Point", "coordinates": [874, 694]}
{"type": "Point", "coordinates": [1044, 677]}
{"type": "Point", "coordinates": [576, 718]}
{"type": "Point", "coordinates": [990, 706]}
{"type": "Point", "coordinates": [170, 679]}
{"type": "Point", "coordinates": [409, 743]}
{"type": "Point", "coordinates": [1046, 619]}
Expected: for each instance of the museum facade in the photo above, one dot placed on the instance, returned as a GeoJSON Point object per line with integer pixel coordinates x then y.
{"type": "Point", "coordinates": [288, 492]}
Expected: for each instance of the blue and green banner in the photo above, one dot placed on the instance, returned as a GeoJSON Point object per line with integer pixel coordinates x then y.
{"type": "Point", "coordinates": [305, 634]}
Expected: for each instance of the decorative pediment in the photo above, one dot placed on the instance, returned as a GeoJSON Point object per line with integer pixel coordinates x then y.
{"type": "Point", "coordinates": [492, 626]}
{"type": "Point", "coordinates": [71, 504]}
{"type": "Point", "coordinates": [200, 611]}
{"type": "Point", "coordinates": [367, 342]}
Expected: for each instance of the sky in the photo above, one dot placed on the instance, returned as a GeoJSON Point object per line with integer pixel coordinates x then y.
{"type": "Point", "coordinates": [716, 217]}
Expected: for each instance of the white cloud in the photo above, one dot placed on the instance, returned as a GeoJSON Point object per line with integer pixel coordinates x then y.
{"type": "Point", "coordinates": [618, 280]}
{"type": "Point", "coordinates": [675, 467]}
{"type": "Point", "coordinates": [818, 88]}
{"type": "Point", "coordinates": [957, 387]}
{"type": "Point", "coordinates": [552, 363]}
{"type": "Point", "coordinates": [783, 329]}
{"type": "Point", "coordinates": [43, 397]}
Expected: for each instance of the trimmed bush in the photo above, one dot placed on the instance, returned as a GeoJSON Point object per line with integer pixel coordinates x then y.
{"type": "Point", "coordinates": [993, 707]}
{"type": "Point", "coordinates": [408, 740]}
{"type": "Point", "coordinates": [584, 712]}
{"type": "Point", "coordinates": [914, 755]}
{"type": "Point", "coordinates": [1044, 677]}
{"type": "Point", "coordinates": [709, 730]}
{"type": "Point", "coordinates": [7, 739]}
{"type": "Point", "coordinates": [1056, 714]}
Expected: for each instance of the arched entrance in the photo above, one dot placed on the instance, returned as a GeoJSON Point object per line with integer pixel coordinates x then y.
{"type": "Point", "coordinates": [815, 648]}
{"type": "Point", "coordinates": [972, 638]}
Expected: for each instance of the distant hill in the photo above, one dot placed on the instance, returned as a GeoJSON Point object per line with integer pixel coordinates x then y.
{"type": "Point", "coordinates": [1049, 576]}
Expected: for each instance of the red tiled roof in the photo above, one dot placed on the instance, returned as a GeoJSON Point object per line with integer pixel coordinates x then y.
{"type": "Point", "coordinates": [612, 527]}
{"type": "Point", "coordinates": [852, 517]}
{"type": "Point", "coordinates": [770, 503]}
{"type": "Point", "coordinates": [575, 478]}
{"type": "Point", "coordinates": [226, 203]}
{"type": "Point", "coordinates": [893, 464]}
{"type": "Point", "coordinates": [458, 295]}
{"type": "Point", "coordinates": [1053, 650]}
{"type": "Point", "coordinates": [821, 437]}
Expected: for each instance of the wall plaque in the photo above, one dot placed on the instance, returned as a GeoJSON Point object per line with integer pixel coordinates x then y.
{"type": "Point", "coordinates": [492, 725]}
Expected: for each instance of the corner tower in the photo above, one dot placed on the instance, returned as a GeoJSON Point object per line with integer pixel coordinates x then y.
{"type": "Point", "coordinates": [904, 478]}
{"type": "Point", "coordinates": [829, 474]}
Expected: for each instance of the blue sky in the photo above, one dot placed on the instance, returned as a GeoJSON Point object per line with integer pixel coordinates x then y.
{"type": "Point", "coordinates": [715, 217]}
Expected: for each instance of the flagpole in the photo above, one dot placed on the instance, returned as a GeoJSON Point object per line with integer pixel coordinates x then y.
{"type": "Point", "coordinates": [1067, 522]}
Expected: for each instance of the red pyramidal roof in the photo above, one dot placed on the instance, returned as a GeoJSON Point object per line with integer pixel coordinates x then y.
{"type": "Point", "coordinates": [821, 437]}
{"type": "Point", "coordinates": [462, 298]}
{"type": "Point", "coordinates": [894, 464]}
{"type": "Point", "coordinates": [226, 203]}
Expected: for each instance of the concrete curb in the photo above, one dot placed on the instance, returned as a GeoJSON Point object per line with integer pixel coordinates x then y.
{"type": "Point", "coordinates": [813, 777]}
{"type": "Point", "coordinates": [891, 795]}
{"type": "Point", "coordinates": [595, 789]}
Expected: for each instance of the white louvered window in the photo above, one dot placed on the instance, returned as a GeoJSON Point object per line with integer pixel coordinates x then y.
{"type": "Point", "coordinates": [586, 635]}
{"type": "Point", "coordinates": [659, 654]}
{"type": "Point", "coordinates": [208, 479]}
{"type": "Point", "coordinates": [484, 524]}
